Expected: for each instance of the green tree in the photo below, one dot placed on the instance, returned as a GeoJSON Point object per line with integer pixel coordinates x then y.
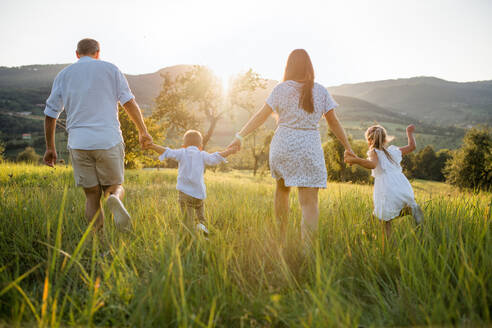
{"type": "Point", "coordinates": [28, 155]}
{"type": "Point", "coordinates": [335, 166]}
{"type": "Point", "coordinates": [471, 164]}
{"type": "Point", "coordinates": [135, 157]}
{"type": "Point", "coordinates": [192, 100]}
{"type": "Point", "coordinates": [241, 96]}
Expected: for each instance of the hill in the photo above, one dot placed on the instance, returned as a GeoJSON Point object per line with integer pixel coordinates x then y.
{"type": "Point", "coordinates": [435, 100]}
{"type": "Point", "coordinates": [432, 103]}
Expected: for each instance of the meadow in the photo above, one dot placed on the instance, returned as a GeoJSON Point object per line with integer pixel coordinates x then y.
{"type": "Point", "coordinates": [55, 272]}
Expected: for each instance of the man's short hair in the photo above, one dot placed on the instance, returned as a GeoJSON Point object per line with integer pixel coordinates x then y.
{"type": "Point", "coordinates": [193, 138]}
{"type": "Point", "coordinates": [87, 47]}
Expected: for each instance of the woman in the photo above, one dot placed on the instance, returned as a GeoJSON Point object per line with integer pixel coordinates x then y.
{"type": "Point", "coordinates": [296, 155]}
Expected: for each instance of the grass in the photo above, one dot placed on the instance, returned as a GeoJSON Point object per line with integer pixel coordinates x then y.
{"type": "Point", "coordinates": [55, 272]}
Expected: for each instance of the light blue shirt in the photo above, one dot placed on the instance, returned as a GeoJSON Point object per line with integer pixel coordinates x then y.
{"type": "Point", "coordinates": [89, 90]}
{"type": "Point", "coordinates": [192, 163]}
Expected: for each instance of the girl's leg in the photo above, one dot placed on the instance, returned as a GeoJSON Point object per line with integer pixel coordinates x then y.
{"type": "Point", "coordinates": [308, 198]}
{"type": "Point", "coordinates": [282, 203]}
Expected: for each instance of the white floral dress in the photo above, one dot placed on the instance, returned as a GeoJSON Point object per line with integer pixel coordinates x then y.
{"type": "Point", "coordinates": [392, 191]}
{"type": "Point", "coordinates": [296, 154]}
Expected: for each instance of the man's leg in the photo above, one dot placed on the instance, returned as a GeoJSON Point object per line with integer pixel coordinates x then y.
{"type": "Point", "coordinates": [114, 194]}
{"type": "Point", "coordinates": [116, 190]}
{"type": "Point", "coordinates": [93, 206]}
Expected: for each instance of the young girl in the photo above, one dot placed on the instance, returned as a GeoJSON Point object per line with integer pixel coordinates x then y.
{"type": "Point", "coordinates": [392, 191]}
{"type": "Point", "coordinates": [191, 186]}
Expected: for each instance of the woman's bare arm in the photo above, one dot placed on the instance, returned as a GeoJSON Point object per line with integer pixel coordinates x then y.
{"type": "Point", "coordinates": [412, 145]}
{"type": "Point", "coordinates": [254, 122]}
{"type": "Point", "coordinates": [336, 127]}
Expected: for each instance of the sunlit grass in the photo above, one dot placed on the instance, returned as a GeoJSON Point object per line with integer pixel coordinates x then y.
{"type": "Point", "coordinates": [54, 271]}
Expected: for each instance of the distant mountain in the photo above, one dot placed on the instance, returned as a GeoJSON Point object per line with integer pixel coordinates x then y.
{"type": "Point", "coordinates": [428, 98]}
{"type": "Point", "coordinates": [34, 82]}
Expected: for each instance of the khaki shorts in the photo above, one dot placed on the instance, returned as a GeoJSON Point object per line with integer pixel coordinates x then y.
{"type": "Point", "coordinates": [104, 167]}
{"type": "Point", "coordinates": [191, 206]}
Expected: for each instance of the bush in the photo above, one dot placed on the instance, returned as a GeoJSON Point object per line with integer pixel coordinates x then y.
{"type": "Point", "coordinates": [471, 165]}
{"type": "Point", "coordinates": [426, 164]}
{"type": "Point", "coordinates": [28, 155]}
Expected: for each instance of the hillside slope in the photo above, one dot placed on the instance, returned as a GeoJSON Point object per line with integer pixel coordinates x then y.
{"type": "Point", "coordinates": [429, 98]}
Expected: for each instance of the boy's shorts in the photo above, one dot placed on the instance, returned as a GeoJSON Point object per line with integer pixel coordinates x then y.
{"type": "Point", "coordinates": [187, 203]}
{"type": "Point", "coordinates": [104, 167]}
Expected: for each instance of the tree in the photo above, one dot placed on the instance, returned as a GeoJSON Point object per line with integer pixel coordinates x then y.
{"type": "Point", "coordinates": [335, 166]}
{"type": "Point", "coordinates": [189, 99]}
{"type": "Point", "coordinates": [134, 155]}
{"type": "Point", "coordinates": [471, 164]}
{"type": "Point", "coordinates": [28, 155]}
{"type": "Point", "coordinates": [241, 96]}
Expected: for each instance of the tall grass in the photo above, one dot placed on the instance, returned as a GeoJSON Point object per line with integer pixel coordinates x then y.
{"type": "Point", "coordinates": [55, 272]}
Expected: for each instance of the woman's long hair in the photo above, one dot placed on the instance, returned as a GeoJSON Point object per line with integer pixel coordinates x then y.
{"type": "Point", "coordinates": [377, 138]}
{"type": "Point", "coordinates": [300, 69]}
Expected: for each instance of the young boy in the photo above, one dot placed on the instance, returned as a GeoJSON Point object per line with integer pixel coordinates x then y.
{"type": "Point", "coordinates": [191, 185]}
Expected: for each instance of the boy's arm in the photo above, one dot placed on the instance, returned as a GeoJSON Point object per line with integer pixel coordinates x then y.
{"type": "Point", "coordinates": [369, 163]}
{"type": "Point", "coordinates": [219, 157]}
{"type": "Point", "coordinates": [159, 149]}
{"type": "Point", "coordinates": [411, 141]}
{"type": "Point", "coordinates": [228, 151]}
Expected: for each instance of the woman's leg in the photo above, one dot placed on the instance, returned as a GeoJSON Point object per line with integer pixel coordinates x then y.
{"type": "Point", "coordinates": [282, 203]}
{"type": "Point", "coordinates": [308, 198]}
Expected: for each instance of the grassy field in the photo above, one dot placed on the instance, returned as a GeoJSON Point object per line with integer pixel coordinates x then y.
{"type": "Point", "coordinates": [55, 272]}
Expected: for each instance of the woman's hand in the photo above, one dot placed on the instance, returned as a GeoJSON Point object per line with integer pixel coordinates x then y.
{"type": "Point", "coordinates": [236, 143]}
{"type": "Point", "coordinates": [349, 157]}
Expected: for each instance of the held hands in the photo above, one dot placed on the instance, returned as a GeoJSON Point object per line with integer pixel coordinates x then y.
{"type": "Point", "coordinates": [236, 143]}
{"type": "Point", "coordinates": [50, 157]}
{"type": "Point", "coordinates": [145, 140]}
{"type": "Point", "coordinates": [349, 157]}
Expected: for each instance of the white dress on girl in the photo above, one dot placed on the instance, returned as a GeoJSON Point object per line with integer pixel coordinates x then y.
{"type": "Point", "coordinates": [392, 191]}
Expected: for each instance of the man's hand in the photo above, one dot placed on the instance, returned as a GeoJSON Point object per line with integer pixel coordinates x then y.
{"type": "Point", "coordinates": [145, 140]}
{"type": "Point", "coordinates": [410, 128]}
{"type": "Point", "coordinates": [50, 157]}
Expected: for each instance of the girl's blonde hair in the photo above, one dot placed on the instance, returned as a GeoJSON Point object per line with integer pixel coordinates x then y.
{"type": "Point", "coordinates": [377, 138]}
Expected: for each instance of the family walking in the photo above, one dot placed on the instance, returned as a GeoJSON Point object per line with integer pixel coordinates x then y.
{"type": "Point", "coordinates": [90, 90]}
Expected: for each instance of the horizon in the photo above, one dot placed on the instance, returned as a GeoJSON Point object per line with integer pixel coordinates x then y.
{"type": "Point", "coordinates": [272, 79]}
{"type": "Point", "coordinates": [348, 42]}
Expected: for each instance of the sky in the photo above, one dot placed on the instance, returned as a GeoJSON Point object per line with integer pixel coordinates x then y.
{"type": "Point", "coordinates": [349, 41]}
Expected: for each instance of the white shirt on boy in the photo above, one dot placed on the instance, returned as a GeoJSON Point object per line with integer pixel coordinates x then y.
{"type": "Point", "coordinates": [191, 167]}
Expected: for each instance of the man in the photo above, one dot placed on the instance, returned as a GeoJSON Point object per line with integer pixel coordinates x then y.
{"type": "Point", "coordinates": [89, 90]}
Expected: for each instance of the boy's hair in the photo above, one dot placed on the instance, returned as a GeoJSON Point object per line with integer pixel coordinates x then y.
{"type": "Point", "coordinates": [193, 138]}
{"type": "Point", "coordinates": [377, 138]}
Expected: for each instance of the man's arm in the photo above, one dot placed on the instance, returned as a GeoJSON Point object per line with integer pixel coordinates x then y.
{"type": "Point", "coordinates": [411, 141]}
{"type": "Point", "coordinates": [131, 107]}
{"type": "Point", "coordinates": [49, 134]}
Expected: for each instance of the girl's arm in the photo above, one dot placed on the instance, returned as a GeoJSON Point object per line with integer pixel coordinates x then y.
{"type": "Point", "coordinates": [411, 141]}
{"type": "Point", "coordinates": [369, 163]}
{"type": "Point", "coordinates": [336, 127]}
{"type": "Point", "coordinates": [254, 122]}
